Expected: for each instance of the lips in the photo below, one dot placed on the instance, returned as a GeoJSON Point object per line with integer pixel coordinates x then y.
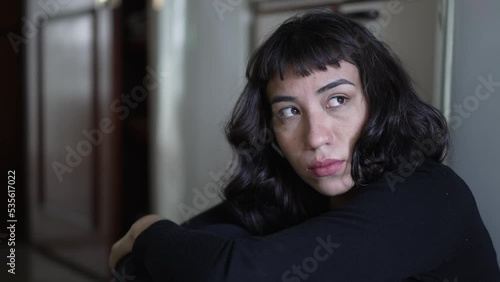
{"type": "Point", "coordinates": [325, 167]}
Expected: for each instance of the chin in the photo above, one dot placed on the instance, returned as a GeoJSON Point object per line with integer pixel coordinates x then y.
{"type": "Point", "coordinates": [334, 187]}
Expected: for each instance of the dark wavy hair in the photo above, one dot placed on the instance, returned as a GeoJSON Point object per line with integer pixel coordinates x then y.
{"type": "Point", "coordinates": [265, 193]}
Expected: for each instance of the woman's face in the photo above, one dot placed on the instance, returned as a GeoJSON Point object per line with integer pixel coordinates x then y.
{"type": "Point", "coordinates": [317, 120]}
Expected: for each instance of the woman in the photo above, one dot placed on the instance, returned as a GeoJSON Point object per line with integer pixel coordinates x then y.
{"type": "Point", "coordinates": [350, 187]}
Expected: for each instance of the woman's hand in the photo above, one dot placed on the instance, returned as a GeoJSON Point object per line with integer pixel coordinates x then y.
{"type": "Point", "coordinates": [124, 246]}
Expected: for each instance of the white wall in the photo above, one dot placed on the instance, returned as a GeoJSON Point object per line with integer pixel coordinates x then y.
{"type": "Point", "coordinates": [203, 49]}
{"type": "Point", "coordinates": [475, 148]}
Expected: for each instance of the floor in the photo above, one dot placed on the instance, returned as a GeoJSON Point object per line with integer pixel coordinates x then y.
{"type": "Point", "coordinates": [34, 266]}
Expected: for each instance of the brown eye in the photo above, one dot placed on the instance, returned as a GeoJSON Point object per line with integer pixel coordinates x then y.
{"type": "Point", "coordinates": [288, 112]}
{"type": "Point", "coordinates": [336, 101]}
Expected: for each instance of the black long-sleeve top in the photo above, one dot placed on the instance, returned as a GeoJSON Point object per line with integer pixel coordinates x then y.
{"type": "Point", "coordinates": [425, 228]}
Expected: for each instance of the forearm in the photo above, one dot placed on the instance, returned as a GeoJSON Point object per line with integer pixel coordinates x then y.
{"type": "Point", "coordinates": [173, 253]}
{"type": "Point", "coordinates": [214, 220]}
{"type": "Point", "coordinates": [164, 262]}
{"type": "Point", "coordinates": [360, 243]}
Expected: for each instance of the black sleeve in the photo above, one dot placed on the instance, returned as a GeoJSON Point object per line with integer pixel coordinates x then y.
{"type": "Point", "coordinates": [216, 220]}
{"type": "Point", "coordinates": [381, 235]}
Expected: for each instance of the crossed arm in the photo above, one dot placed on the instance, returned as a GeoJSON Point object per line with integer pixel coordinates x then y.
{"type": "Point", "coordinates": [376, 238]}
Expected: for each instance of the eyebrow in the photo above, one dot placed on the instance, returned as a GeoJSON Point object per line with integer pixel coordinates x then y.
{"type": "Point", "coordinates": [331, 85]}
{"type": "Point", "coordinates": [334, 84]}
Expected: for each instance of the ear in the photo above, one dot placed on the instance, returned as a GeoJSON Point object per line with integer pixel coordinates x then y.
{"type": "Point", "coordinates": [277, 148]}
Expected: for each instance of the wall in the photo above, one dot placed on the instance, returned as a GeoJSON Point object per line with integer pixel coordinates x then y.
{"type": "Point", "coordinates": [474, 113]}
{"type": "Point", "coordinates": [407, 26]}
{"type": "Point", "coordinates": [201, 48]}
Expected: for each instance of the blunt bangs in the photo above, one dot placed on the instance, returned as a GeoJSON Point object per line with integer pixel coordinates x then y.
{"type": "Point", "coordinates": [303, 49]}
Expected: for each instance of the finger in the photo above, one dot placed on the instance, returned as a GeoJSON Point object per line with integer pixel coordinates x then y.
{"type": "Point", "coordinates": [112, 257]}
{"type": "Point", "coordinates": [118, 250]}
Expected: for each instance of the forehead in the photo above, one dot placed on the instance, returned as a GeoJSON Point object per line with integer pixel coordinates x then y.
{"type": "Point", "coordinates": [317, 78]}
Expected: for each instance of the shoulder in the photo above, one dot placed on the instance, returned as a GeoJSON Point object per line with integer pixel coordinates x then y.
{"type": "Point", "coordinates": [430, 197]}
{"type": "Point", "coordinates": [428, 176]}
{"type": "Point", "coordinates": [431, 185]}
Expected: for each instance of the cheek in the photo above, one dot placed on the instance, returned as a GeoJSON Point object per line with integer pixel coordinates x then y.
{"type": "Point", "coordinates": [356, 126]}
{"type": "Point", "coordinates": [353, 138]}
{"type": "Point", "coordinates": [360, 127]}
{"type": "Point", "coordinates": [285, 142]}
{"type": "Point", "coordinates": [285, 134]}
{"type": "Point", "coordinates": [289, 145]}
{"type": "Point", "coordinates": [351, 142]}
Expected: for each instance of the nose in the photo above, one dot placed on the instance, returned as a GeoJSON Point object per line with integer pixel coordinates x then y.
{"type": "Point", "coordinates": [317, 132]}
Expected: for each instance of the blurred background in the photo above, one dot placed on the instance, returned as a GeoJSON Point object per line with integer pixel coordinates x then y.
{"type": "Point", "coordinates": [115, 109]}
